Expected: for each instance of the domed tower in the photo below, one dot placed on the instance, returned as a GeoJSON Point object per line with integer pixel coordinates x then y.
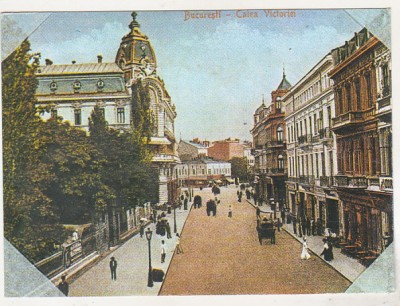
{"type": "Point", "coordinates": [276, 95]}
{"type": "Point", "coordinates": [137, 60]}
{"type": "Point", "coordinates": [135, 55]}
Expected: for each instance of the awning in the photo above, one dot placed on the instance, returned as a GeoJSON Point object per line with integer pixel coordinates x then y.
{"type": "Point", "coordinates": [159, 141]}
{"type": "Point", "coordinates": [218, 181]}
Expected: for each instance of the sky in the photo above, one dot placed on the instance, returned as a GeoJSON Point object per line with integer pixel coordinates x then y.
{"type": "Point", "coordinates": [215, 70]}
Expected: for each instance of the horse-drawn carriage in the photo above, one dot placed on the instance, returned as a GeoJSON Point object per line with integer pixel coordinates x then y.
{"type": "Point", "coordinates": [265, 229]}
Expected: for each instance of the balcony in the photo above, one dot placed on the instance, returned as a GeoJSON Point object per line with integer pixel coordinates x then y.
{"type": "Point", "coordinates": [353, 118]}
{"type": "Point", "coordinates": [276, 143]}
{"type": "Point", "coordinates": [351, 181]}
{"type": "Point", "coordinates": [386, 184]}
{"type": "Point", "coordinates": [304, 140]}
{"type": "Point", "coordinates": [307, 179]}
{"type": "Point", "coordinates": [326, 181]}
{"type": "Point", "coordinates": [275, 171]}
{"type": "Point", "coordinates": [166, 158]}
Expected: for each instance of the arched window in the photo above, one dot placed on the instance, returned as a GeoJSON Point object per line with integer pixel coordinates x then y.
{"type": "Point", "coordinates": [279, 134]}
{"type": "Point", "coordinates": [278, 102]}
{"type": "Point", "coordinates": [280, 162]}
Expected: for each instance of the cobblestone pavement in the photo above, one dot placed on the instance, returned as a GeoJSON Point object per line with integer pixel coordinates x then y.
{"type": "Point", "coordinates": [223, 256]}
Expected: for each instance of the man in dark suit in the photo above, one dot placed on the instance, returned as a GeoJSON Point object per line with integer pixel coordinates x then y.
{"type": "Point", "coordinates": [63, 286]}
{"type": "Point", "coordinates": [113, 268]}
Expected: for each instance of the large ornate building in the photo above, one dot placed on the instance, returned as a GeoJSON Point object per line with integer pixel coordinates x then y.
{"type": "Point", "coordinates": [269, 142]}
{"type": "Point", "coordinates": [362, 123]}
{"type": "Point", "coordinates": [73, 90]}
{"type": "Point", "coordinates": [311, 149]}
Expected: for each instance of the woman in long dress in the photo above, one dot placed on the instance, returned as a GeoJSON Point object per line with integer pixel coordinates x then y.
{"type": "Point", "coordinates": [304, 252]}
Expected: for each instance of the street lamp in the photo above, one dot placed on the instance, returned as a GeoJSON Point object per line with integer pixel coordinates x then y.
{"type": "Point", "coordinates": [150, 278]}
{"type": "Point", "coordinates": [175, 219]}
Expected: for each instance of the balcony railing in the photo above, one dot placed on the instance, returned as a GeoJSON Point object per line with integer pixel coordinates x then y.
{"type": "Point", "coordinates": [354, 117]}
{"type": "Point", "coordinates": [275, 171]}
{"type": "Point", "coordinates": [351, 181]}
{"type": "Point", "coordinates": [326, 181]}
{"type": "Point", "coordinates": [305, 139]}
{"type": "Point", "coordinates": [275, 143]}
{"type": "Point", "coordinates": [386, 183]}
{"type": "Point", "coordinates": [307, 179]}
{"type": "Point", "coordinates": [383, 102]}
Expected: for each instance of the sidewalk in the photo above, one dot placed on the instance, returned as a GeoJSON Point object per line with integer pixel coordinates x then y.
{"type": "Point", "coordinates": [348, 267]}
{"type": "Point", "coordinates": [133, 264]}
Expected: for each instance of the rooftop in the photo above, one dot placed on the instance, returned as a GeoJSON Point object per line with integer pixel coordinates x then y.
{"type": "Point", "coordinates": [74, 69]}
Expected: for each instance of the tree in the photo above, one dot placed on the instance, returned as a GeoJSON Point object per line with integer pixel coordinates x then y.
{"type": "Point", "coordinates": [239, 168]}
{"type": "Point", "coordinates": [30, 222]}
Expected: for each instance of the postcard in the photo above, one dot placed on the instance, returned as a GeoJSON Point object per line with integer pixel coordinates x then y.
{"type": "Point", "coordinates": [198, 154]}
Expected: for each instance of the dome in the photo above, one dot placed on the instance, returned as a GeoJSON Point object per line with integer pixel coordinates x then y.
{"type": "Point", "coordinates": [135, 49]}
{"type": "Point", "coordinates": [284, 85]}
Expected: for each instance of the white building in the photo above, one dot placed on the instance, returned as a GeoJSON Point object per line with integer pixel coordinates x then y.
{"type": "Point", "coordinates": [201, 172]}
{"type": "Point", "coordinates": [71, 91]}
{"type": "Point", "coordinates": [311, 147]}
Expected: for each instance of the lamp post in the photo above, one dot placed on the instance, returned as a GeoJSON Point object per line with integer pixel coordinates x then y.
{"type": "Point", "coordinates": [150, 278]}
{"type": "Point", "coordinates": [175, 230]}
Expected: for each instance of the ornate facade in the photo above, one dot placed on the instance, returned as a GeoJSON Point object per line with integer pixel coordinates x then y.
{"type": "Point", "coordinates": [73, 90]}
{"type": "Point", "coordinates": [311, 153]}
{"type": "Point", "coordinates": [269, 140]}
{"type": "Point", "coordinates": [363, 127]}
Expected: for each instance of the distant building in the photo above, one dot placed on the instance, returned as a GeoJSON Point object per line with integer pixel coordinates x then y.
{"type": "Point", "coordinates": [226, 149]}
{"type": "Point", "coordinates": [247, 153]}
{"type": "Point", "coordinates": [202, 172]}
{"type": "Point", "coordinates": [192, 149]}
{"type": "Point", "coordinates": [269, 138]}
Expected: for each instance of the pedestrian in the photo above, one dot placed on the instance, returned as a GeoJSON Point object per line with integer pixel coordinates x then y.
{"type": "Point", "coordinates": [313, 227]}
{"type": "Point", "coordinates": [154, 216]}
{"type": "Point", "coordinates": [141, 228]}
{"type": "Point", "coordinates": [308, 226]}
{"type": "Point", "coordinates": [178, 244]}
{"type": "Point", "coordinates": [230, 211]}
{"type": "Point", "coordinates": [63, 286]}
{"type": "Point", "coordinates": [163, 251]}
{"type": "Point", "coordinates": [283, 215]}
{"type": "Point", "coordinates": [303, 226]}
{"type": "Point", "coordinates": [304, 253]}
{"type": "Point", "coordinates": [294, 220]}
{"type": "Point", "coordinates": [326, 252]}
{"type": "Point", "coordinates": [279, 224]}
{"type": "Point", "coordinates": [168, 229]}
{"type": "Point", "coordinates": [113, 268]}
{"type": "Point", "coordinates": [185, 204]}
{"type": "Point", "coordinates": [240, 196]}
{"type": "Point", "coordinates": [258, 212]}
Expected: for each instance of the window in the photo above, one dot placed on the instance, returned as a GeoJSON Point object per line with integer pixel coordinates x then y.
{"type": "Point", "coordinates": [348, 98]}
{"type": "Point", "coordinates": [321, 120]}
{"type": "Point", "coordinates": [278, 102]}
{"type": "Point", "coordinates": [358, 93]}
{"type": "Point", "coordinates": [280, 162]}
{"type": "Point", "coordinates": [203, 171]}
{"type": "Point", "coordinates": [103, 112]}
{"type": "Point", "coordinates": [385, 80]}
{"type": "Point", "coordinates": [329, 116]}
{"type": "Point", "coordinates": [53, 86]}
{"type": "Point", "coordinates": [100, 84]}
{"type": "Point", "coordinates": [120, 115]}
{"type": "Point", "coordinates": [316, 165]}
{"type": "Point", "coordinates": [369, 89]}
{"type": "Point", "coordinates": [78, 117]}
{"type": "Point", "coordinates": [209, 171]}
{"type": "Point", "coordinates": [315, 124]}
{"type": "Point", "coordinates": [53, 114]}
{"type": "Point", "coordinates": [310, 124]}
{"type": "Point", "coordinates": [340, 101]}
{"type": "Point", "coordinates": [77, 85]}
{"type": "Point", "coordinates": [279, 134]}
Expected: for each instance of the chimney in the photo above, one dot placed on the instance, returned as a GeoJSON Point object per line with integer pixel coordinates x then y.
{"type": "Point", "coordinates": [48, 61]}
{"type": "Point", "coordinates": [73, 62]}
{"type": "Point", "coordinates": [99, 58]}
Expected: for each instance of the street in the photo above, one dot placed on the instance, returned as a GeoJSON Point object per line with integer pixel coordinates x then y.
{"type": "Point", "coordinates": [223, 256]}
